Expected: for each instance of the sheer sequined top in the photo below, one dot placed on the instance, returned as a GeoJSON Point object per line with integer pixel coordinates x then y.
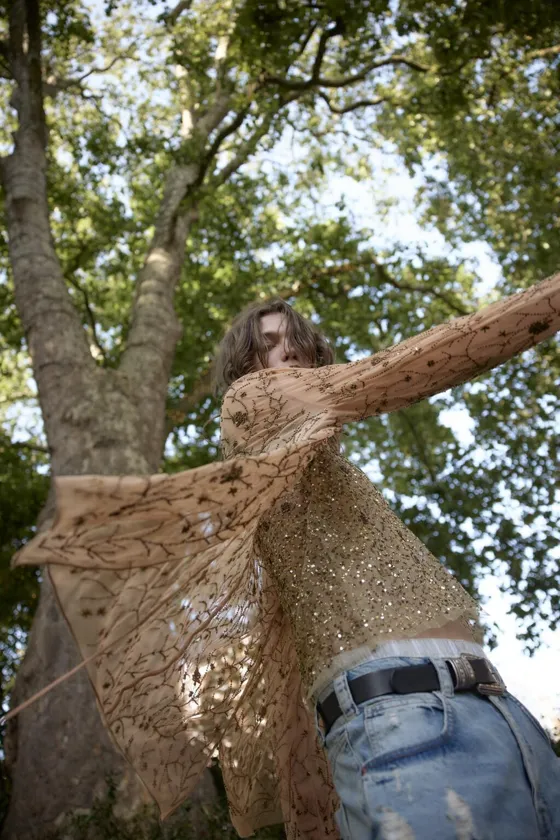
{"type": "Point", "coordinates": [348, 572]}
{"type": "Point", "coordinates": [204, 603]}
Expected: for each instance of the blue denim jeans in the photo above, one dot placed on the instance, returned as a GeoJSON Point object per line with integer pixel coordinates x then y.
{"type": "Point", "coordinates": [441, 765]}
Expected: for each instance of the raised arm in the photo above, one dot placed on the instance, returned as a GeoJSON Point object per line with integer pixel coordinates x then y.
{"type": "Point", "coordinates": [442, 357]}
{"type": "Point", "coordinates": [419, 367]}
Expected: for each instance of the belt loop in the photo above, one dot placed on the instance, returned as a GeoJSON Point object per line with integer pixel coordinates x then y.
{"type": "Point", "coordinates": [445, 681]}
{"type": "Point", "coordinates": [344, 696]}
{"type": "Point", "coordinates": [319, 725]}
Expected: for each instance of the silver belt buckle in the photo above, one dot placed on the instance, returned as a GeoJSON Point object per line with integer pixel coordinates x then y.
{"type": "Point", "coordinates": [466, 679]}
{"type": "Point", "coordinates": [495, 689]}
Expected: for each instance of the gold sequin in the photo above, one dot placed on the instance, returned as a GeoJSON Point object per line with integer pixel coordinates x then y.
{"type": "Point", "coordinates": [332, 557]}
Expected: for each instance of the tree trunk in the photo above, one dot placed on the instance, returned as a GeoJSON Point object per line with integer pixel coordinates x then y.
{"type": "Point", "coordinates": [58, 748]}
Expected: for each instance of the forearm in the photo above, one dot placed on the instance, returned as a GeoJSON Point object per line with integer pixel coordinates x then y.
{"type": "Point", "coordinates": [447, 355]}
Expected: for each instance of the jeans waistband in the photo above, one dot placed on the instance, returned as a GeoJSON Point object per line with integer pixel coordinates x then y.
{"type": "Point", "coordinates": [431, 648]}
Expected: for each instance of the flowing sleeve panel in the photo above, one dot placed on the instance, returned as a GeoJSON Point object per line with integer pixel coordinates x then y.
{"type": "Point", "coordinates": [424, 365]}
{"type": "Point", "coordinates": [160, 585]}
{"type": "Point", "coordinates": [172, 646]}
{"type": "Point", "coordinates": [276, 733]}
{"type": "Point", "coordinates": [123, 522]}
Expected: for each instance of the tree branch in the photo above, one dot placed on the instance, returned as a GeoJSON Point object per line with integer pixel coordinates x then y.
{"type": "Point", "coordinates": [555, 50]}
{"type": "Point", "coordinates": [307, 38]}
{"type": "Point", "coordinates": [52, 87]}
{"type": "Point", "coordinates": [324, 39]}
{"type": "Point", "coordinates": [56, 339]}
{"type": "Point", "coordinates": [331, 294]}
{"type": "Point", "coordinates": [346, 109]}
{"type": "Point", "coordinates": [507, 73]}
{"type": "Point", "coordinates": [172, 16]}
{"type": "Point", "coordinates": [25, 445]}
{"type": "Point", "coordinates": [408, 287]}
{"type": "Point", "coordinates": [367, 260]}
{"type": "Point", "coordinates": [226, 131]}
{"type": "Point", "coordinates": [155, 329]}
{"type": "Point", "coordinates": [90, 315]}
{"type": "Point", "coordinates": [344, 81]}
{"type": "Point", "coordinates": [247, 148]}
{"type": "Point", "coordinates": [208, 121]}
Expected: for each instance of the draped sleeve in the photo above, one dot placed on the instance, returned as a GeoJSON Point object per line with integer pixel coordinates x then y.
{"type": "Point", "coordinates": [186, 646]}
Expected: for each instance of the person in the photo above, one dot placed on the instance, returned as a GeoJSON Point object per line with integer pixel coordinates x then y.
{"type": "Point", "coordinates": [272, 603]}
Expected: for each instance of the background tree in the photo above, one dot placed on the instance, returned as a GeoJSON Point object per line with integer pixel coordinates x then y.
{"type": "Point", "coordinates": [144, 206]}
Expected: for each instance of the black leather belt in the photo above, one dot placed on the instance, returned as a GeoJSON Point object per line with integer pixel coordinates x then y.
{"type": "Point", "coordinates": [469, 673]}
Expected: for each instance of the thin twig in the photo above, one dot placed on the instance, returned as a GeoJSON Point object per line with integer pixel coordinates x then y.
{"type": "Point", "coordinates": [408, 287]}
{"type": "Point", "coordinates": [200, 391]}
{"type": "Point", "coordinates": [247, 148]}
{"type": "Point", "coordinates": [51, 88]}
{"type": "Point", "coordinates": [360, 103]}
{"type": "Point", "coordinates": [367, 261]}
{"type": "Point", "coordinates": [229, 129]}
{"type": "Point", "coordinates": [420, 447]}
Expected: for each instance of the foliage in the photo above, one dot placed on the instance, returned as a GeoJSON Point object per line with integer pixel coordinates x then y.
{"type": "Point", "coordinates": [23, 491]}
{"type": "Point", "coordinates": [490, 136]}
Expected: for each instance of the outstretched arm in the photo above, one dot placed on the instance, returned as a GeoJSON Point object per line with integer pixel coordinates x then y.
{"type": "Point", "coordinates": [419, 367]}
{"type": "Point", "coordinates": [446, 355]}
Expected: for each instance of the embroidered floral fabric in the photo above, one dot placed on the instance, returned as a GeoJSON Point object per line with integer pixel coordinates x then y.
{"type": "Point", "coordinates": [210, 599]}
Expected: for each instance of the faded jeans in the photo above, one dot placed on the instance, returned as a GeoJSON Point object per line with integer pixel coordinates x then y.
{"type": "Point", "coordinates": [441, 765]}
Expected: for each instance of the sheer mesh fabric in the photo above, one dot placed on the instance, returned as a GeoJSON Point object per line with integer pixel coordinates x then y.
{"type": "Point", "coordinates": [184, 588]}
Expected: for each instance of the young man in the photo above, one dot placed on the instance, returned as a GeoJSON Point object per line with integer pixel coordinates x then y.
{"type": "Point", "coordinates": [214, 601]}
{"type": "Point", "coordinates": [423, 739]}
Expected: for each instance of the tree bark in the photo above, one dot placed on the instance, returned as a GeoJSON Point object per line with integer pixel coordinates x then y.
{"type": "Point", "coordinates": [148, 357]}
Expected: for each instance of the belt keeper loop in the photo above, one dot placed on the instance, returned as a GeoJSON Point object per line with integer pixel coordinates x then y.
{"type": "Point", "coordinates": [463, 672]}
{"type": "Point", "coordinates": [496, 688]}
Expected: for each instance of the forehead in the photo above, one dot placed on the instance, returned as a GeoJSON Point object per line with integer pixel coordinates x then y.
{"type": "Point", "coordinates": [274, 322]}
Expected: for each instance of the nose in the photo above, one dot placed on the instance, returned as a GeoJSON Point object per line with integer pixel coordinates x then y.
{"type": "Point", "coordinates": [289, 353]}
